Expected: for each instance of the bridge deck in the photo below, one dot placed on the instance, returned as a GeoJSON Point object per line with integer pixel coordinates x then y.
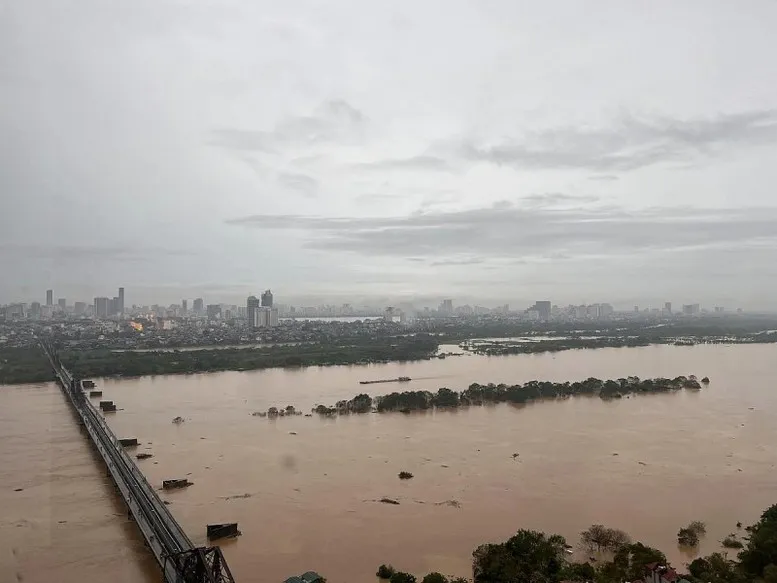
{"type": "Point", "coordinates": [180, 561]}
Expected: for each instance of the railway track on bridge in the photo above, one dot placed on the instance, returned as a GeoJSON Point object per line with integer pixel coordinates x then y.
{"type": "Point", "coordinates": [179, 559]}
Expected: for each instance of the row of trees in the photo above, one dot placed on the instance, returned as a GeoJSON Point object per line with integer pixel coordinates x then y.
{"type": "Point", "coordinates": [105, 363]}
{"type": "Point", "coordinates": [477, 394]}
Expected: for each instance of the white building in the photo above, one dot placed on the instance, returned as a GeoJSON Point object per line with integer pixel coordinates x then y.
{"type": "Point", "coordinates": [264, 317]}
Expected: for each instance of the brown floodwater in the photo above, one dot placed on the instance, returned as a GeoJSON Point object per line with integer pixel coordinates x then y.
{"type": "Point", "coordinates": [305, 490]}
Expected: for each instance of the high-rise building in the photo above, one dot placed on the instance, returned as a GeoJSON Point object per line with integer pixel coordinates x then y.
{"type": "Point", "coordinates": [198, 306]}
{"type": "Point", "coordinates": [446, 306]}
{"type": "Point", "coordinates": [49, 297]}
{"type": "Point", "coordinates": [543, 308]}
{"type": "Point", "coordinates": [62, 304]}
{"type": "Point", "coordinates": [120, 302]}
{"type": "Point", "coordinates": [101, 307]}
{"type": "Point", "coordinates": [267, 299]}
{"type": "Point", "coordinates": [668, 307]}
{"type": "Point", "coordinates": [79, 308]}
{"type": "Point", "coordinates": [35, 310]}
{"type": "Point", "coordinates": [214, 311]}
{"type": "Point", "coordinates": [264, 317]}
{"type": "Point", "coordinates": [184, 306]}
{"type": "Point", "coordinates": [252, 305]}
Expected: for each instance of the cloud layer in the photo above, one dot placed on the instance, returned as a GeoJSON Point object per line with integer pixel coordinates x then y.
{"type": "Point", "coordinates": [514, 232]}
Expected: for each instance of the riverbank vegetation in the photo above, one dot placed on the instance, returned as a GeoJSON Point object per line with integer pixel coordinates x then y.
{"type": "Point", "coordinates": [29, 364]}
{"type": "Point", "coordinates": [24, 365]}
{"type": "Point", "coordinates": [477, 394]}
{"type": "Point", "coordinates": [537, 557]}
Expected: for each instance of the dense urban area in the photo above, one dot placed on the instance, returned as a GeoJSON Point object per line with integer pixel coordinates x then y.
{"type": "Point", "coordinates": [106, 338]}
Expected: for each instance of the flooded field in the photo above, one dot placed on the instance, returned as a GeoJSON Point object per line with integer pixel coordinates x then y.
{"type": "Point", "coordinates": [306, 491]}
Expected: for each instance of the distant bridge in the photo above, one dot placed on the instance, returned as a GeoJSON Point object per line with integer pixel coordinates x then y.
{"type": "Point", "coordinates": [180, 560]}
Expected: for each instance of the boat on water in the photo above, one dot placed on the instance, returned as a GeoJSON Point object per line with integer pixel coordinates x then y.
{"type": "Point", "coordinates": [396, 380]}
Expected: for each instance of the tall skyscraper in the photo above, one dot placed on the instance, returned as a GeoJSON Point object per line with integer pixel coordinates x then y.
{"type": "Point", "coordinates": [62, 304]}
{"type": "Point", "coordinates": [184, 306]}
{"type": "Point", "coordinates": [668, 307]}
{"type": "Point", "coordinates": [446, 306]}
{"type": "Point", "coordinates": [49, 297]}
{"type": "Point", "coordinates": [120, 302]}
{"type": "Point", "coordinates": [79, 308]}
{"type": "Point", "coordinates": [35, 310]}
{"type": "Point", "coordinates": [214, 311]}
{"type": "Point", "coordinates": [198, 306]}
{"type": "Point", "coordinates": [101, 307]}
{"type": "Point", "coordinates": [267, 299]}
{"type": "Point", "coordinates": [252, 307]}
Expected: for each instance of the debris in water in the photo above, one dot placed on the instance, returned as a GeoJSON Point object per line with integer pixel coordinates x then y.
{"type": "Point", "coordinates": [178, 420]}
{"type": "Point", "coordinates": [389, 501]}
{"type": "Point", "coordinates": [292, 433]}
{"type": "Point", "coordinates": [642, 463]}
{"type": "Point", "coordinates": [515, 455]}
{"type": "Point", "coordinates": [19, 490]}
{"type": "Point", "coordinates": [143, 456]}
{"type": "Point", "coordinates": [451, 503]}
{"type": "Point", "coordinates": [405, 475]}
{"type": "Point", "coordinates": [237, 496]}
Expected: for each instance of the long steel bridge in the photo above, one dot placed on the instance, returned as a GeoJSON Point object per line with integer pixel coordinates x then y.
{"type": "Point", "coordinates": [179, 559]}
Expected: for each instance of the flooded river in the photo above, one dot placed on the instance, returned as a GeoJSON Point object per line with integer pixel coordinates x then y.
{"type": "Point", "coordinates": [305, 491]}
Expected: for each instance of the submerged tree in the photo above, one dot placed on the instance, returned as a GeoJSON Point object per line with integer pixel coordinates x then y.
{"type": "Point", "coordinates": [600, 538]}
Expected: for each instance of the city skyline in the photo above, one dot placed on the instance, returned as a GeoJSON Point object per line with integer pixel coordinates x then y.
{"type": "Point", "coordinates": [391, 160]}
{"type": "Point", "coordinates": [263, 309]}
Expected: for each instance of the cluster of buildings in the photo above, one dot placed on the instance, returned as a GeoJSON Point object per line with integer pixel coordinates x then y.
{"type": "Point", "coordinates": [261, 313]}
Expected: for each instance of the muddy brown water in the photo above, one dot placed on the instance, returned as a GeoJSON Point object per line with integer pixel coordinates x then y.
{"type": "Point", "coordinates": [305, 490]}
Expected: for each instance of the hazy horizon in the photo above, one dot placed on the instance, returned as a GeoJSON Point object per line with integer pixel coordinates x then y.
{"type": "Point", "coordinates": [501, 152]}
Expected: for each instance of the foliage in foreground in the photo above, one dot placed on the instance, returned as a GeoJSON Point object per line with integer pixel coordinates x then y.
{"type": "Point", "coordinates": [535, 557]}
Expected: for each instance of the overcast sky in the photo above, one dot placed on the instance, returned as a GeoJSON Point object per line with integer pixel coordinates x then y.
{"type": "Point", "coordinates": [500, 150]}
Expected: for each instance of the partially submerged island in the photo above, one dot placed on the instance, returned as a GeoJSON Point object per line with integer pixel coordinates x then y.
{"type": "Point", "coordinates": [478, 394]}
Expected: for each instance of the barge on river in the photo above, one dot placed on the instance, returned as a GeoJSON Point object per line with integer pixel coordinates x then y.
{"type": "Point", "coordinates": [396, 380]}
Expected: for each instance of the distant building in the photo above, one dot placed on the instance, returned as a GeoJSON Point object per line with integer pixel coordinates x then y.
{"type": "Point", "coordinates": [252, 305]}
{"type": "Point", "coordinates": [264, 317]}
{"type": "Point", "coordinates": [691, 309]}
{"type": "Point", "coordinates": [49, 297]}
{"type": "Point", "coordinates": [213, 311]}
{"type": "Point", "coordinates": [15, 311]}
{"type": "Point", "coordinates": [184, 306]}
{"type": "Point", "coordinates": [198, 306]}
{"type": "Point", "coordinates": [606, 310]}
{"type": "Point", "coordinates": [35, 310]}
{"type": "Point", "coordinates": [446, 307]}
{"type": "Point", "coordinates": [543, 308]}
{"type": "Point", "coordinates": [62, 303]}
{"type": "Point", "coordinates": [101, 307]}
{"type": "Point", "coordinates": [267, 299]}
{"type": "Point", "coordinates": [120, 302]}
{"type": "Point", "coordinates": [668, 307]}
{"type": "Point", "coordinates": [388, 314]}
{"type": "Point", "coordinates": [79, 308]}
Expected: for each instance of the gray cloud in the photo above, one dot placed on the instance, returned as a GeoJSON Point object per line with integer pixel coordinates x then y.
{"type": "Point", "coordinates": [302, 183]}
{"type": "Point", "coordinates": [412, 163]}
{"type": "Point", "coordinates": [633, 143]}
{"type": "Point", "coordinates": [508, 231]}
{"type": "Point", "coordinates": [556, 199]}
{"type": "Point", "coordinates": [79, 253]}
{"type": "Point", "coordinates": [333, 121]}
